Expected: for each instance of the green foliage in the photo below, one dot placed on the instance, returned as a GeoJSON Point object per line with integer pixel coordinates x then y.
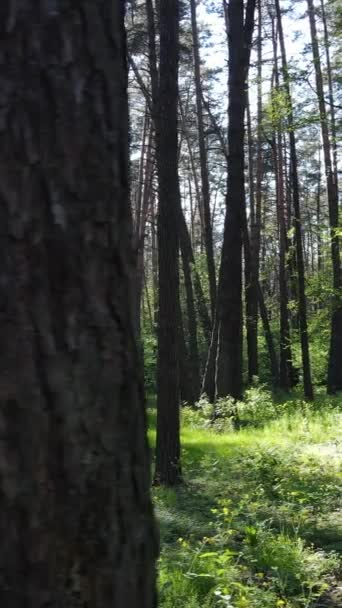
{"type": "Point", "coordinates": [256, 523]}
{"type": "Point", "coordinates": [150, 360]}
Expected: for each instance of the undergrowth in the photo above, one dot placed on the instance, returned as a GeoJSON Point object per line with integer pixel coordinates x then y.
{"type": "Point", "coordinates": [257, 522]}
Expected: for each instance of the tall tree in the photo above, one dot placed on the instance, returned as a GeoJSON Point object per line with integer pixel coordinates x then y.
{"type": "Point", "coordinates": [205, 199]}
{"type": "Point", "coordinates": [277, 96]}
{"type": "Point", "coordinates": [255, 215]}
{"type": "Point", "coordinates": [331, 91]}
{"type": "Point", "coordinates": [335, 354]}
{"type": "Point", "coordinates": [168, 469]}
{"type": "Point", "coordinates": [229, 307]}
{"type": "Point", "coordinates": [302, 312]}
{"type": "Point", "coordinates": [76, 519]}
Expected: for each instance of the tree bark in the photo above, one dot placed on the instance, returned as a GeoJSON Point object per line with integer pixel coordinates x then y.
{"type": "Point", "coordinates": [229, 309]}
{"type": "Point", "coordinates": [168, 468]}
{"type": "Point", "coordinates": [208, 236]}
{"type": "Point", "coordinates": [263, 311]}
{"type": "Point", "coordinates": [76, 518]}
{"type": "Point", "coordinates": [335, 355]}
{"type": "Point", "coordinates": [251, 301]}
{"type": "Point", "coordinates": [331, 94]}
{"type": "Point", "coordinates": [302, 313]}
{"type": "Point", "coordinates": [194, 365]}
{"type": "Point", "coordinates": [140, 225]}
{"type": "Point", "coordinates": [253, 368]}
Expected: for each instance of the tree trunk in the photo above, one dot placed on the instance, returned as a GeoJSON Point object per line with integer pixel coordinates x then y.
{"type": "Point", "coordinates": [209, 376]}
{"type": "Point", "coordinates": [318, 216]}
{"type": "Point", "coordinates": [154, 260]}
{"type": "Point", "coordinates": [269, 338]}
{"type": "Point", "coordinates": [302, 313]}
{"type": "Point", "coordinates": [335, 354]}
{"type": "Point", "coordinates": [253, 368]}
{"type": "Point", "coordinates": [194, 366]}
{"type": "Point", "coordinates": [208, 236]}
{"type": "Point", "coordinates": [76, 519]}
{"type": "Point", "coordinates": [168, 469]}
{"type": "Point", "coordinates": [187, 253]}
{"type": "Point", "coordinates": [229, 308]}
{"type": "Point", "coordinates": [331, 94]}
{"type": "Point", "coordinates": [250, 295]}
{"type": "Point", "coordinates": [262, 307]}
{"type": "Point", "coordinates": [140, 227]}
{"type": "Point", "coordinates": [285, 358]}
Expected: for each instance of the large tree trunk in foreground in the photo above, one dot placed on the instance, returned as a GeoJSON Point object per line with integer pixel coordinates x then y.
{"type": "Point", "coordinates": [168, 469]}
{"type": "Point", "coordinates": [76, 519]}
{"type": "Point", "coordinates": [335, 355]}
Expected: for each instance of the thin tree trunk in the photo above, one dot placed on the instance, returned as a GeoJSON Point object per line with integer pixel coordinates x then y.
{"type": "Point", "coordinates": [250, 294]}
{"type": "Point", "coordinates": [208, 236]}
{"type": "Point", "coordinates": [302, 312]}
{"type": "Point", "coordinates": [331, 94]}
{"type": "Point", "coordinates": [318, 216]}
{"type": "Point", "coordinates": [285, 359]}
{"type": "Point", "coordinates": [187, 251]}
{"type": "Point", "coordinates": [76, 519]}
{"type": "Point", "coordinates": [262, 308]}
{"type": "Point", "coordinates": [253, 367]}
{"type": "Point", "coordinates": [139, 241]}
{"type": "Point", "coordinates": [194, 366]}
{"type": "Point", "coordinates": [154, 259]}
{"type": "Point", "coordinates": [185, 371]}
{"type": "Point", "coordinates": [335, 355]}
{"type": "Point", "coordinates": [269, 338]}
{"type": "Point", "coordinates": [209, 376]}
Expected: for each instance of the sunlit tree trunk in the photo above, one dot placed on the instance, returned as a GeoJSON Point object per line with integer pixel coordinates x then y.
{"type": "Point", "coordinates": [302, 312]}
{"type": "Point", "coordinates": [331, 93]}
{"type": "Point", "coordinates": [335, 354]}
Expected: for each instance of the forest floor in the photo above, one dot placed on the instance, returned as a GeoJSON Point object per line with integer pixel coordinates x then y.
{"type": "Point", "coordinates": [258, 520]}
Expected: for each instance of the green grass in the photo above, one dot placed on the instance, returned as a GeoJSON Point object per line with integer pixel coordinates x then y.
{"type": "Point", "coordinates": [258, 520]}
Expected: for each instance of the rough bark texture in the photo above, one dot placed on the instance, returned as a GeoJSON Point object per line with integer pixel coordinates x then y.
{"type": "Point", "coordinates": [335, 355]}
{"type": "Point", "coordinates": [168, 444]}
{"type": "Point", "coordinates": [302, 313]}
{"type": "Point", "coordinates": [76, 519]}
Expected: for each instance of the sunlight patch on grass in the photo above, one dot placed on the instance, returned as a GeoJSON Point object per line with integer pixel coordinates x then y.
{"type": "Point", "coordinates": [257, 522]}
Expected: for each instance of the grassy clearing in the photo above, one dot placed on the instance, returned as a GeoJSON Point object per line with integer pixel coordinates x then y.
{"type": "Point", "coordinates": [258, 521]}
